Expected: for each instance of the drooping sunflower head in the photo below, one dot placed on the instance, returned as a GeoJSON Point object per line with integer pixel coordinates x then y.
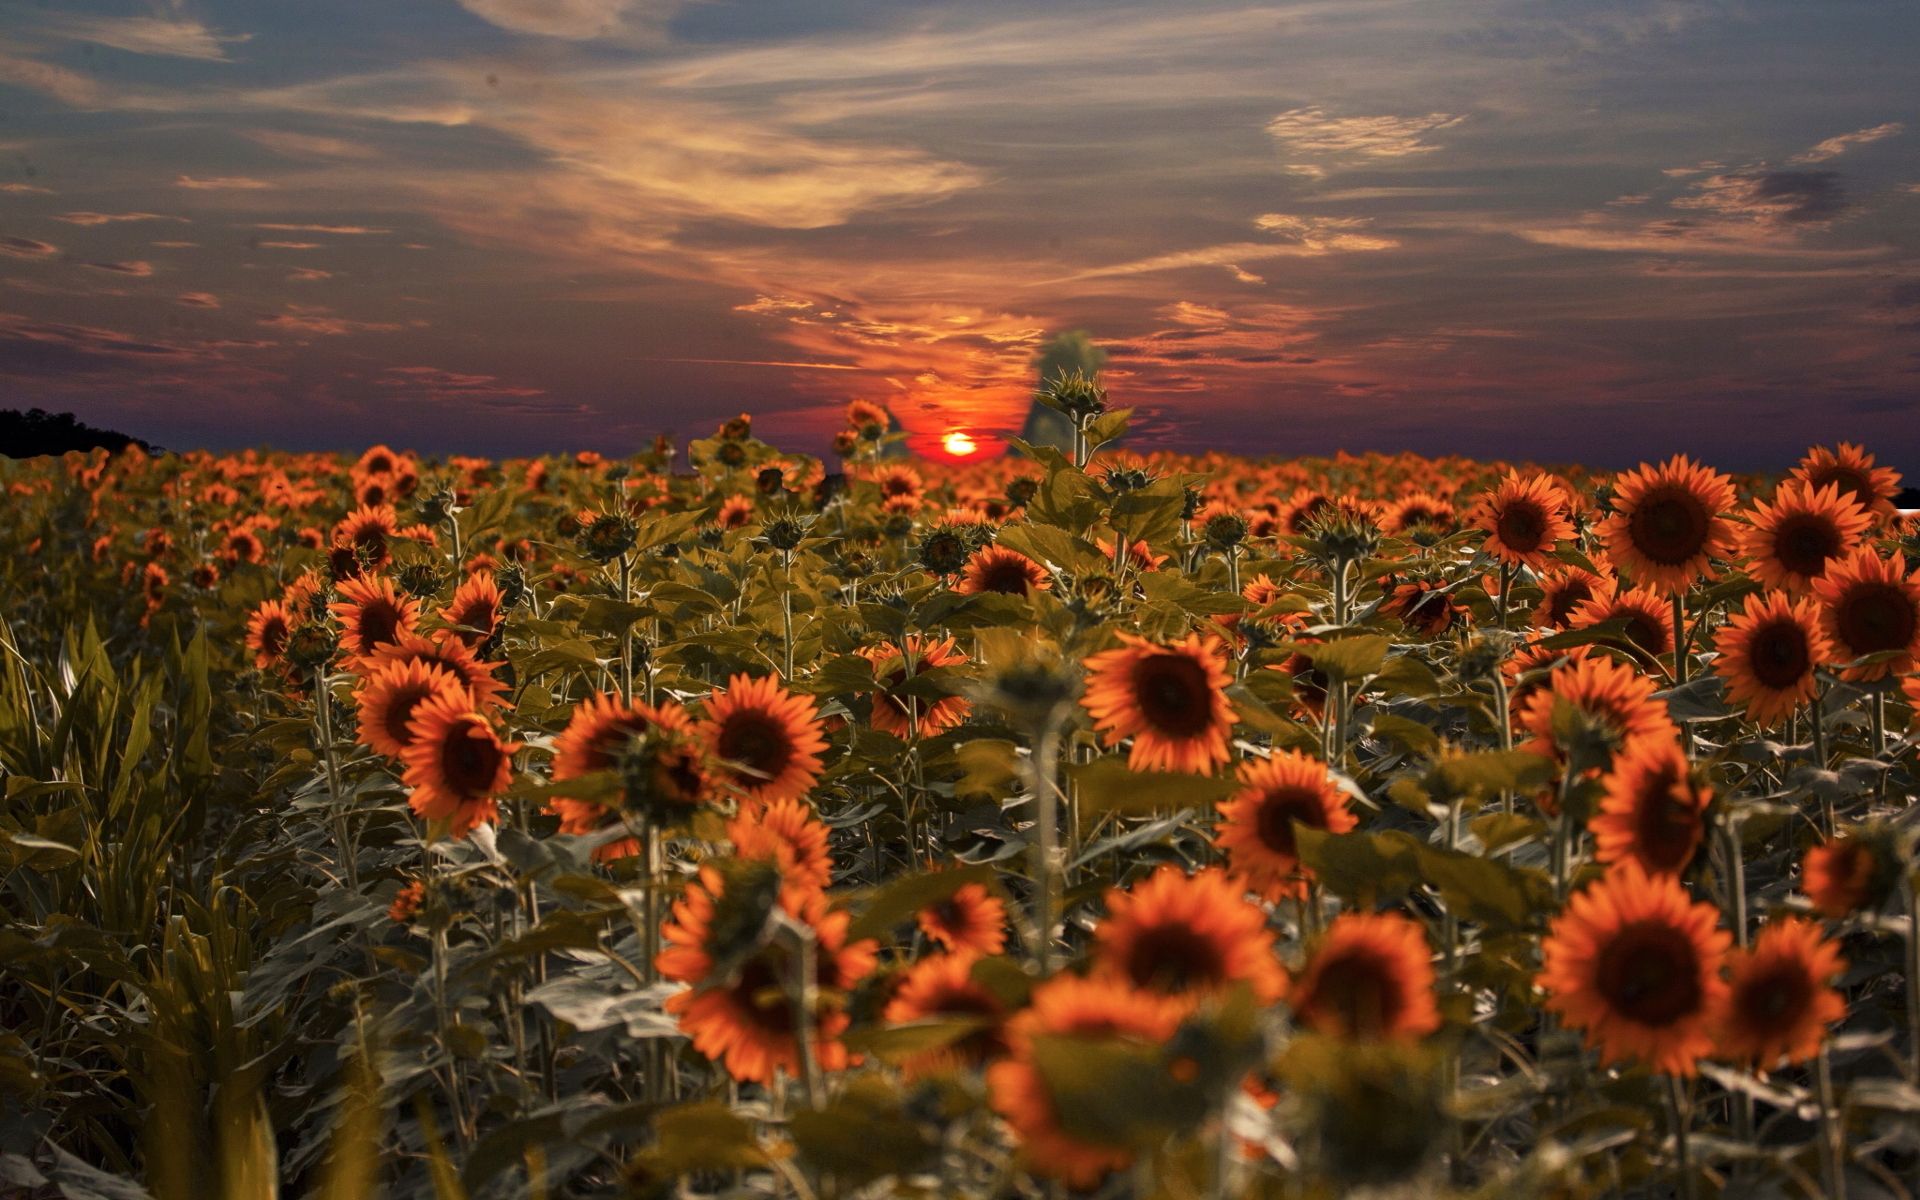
{"type": "Point", "coordinates": [373, 614]}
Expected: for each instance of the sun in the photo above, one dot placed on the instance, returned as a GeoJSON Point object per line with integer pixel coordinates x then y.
{"type": "Point", "coordinates": [959, 444]}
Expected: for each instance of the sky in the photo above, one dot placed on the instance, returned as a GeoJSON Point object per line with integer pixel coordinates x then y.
{"type": "Point", "coordinates": [1545, 229]}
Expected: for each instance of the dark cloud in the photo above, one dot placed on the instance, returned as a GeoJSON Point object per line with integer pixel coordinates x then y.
{"type": "Point", "coordinates": [23, 247]}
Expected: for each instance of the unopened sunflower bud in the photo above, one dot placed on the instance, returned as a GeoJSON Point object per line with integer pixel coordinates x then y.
{"type": "Point", "coordinates": [608, 537]}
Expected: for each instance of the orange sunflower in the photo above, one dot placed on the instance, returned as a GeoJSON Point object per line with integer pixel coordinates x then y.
{"type": "Point", "coordinates": [267, 632]}
{"type": "Point", "coordinates": [1768, 654]}
{"type": "Point", "coordinates": [1256, 822]}
{"type": "Point", "coordinates": [972, 920]}
{"type": "Point", "coordinates": [474, 612]}
{"type": "Point", "coordinates": [1171, 700]}
{"type": "Point", "coordinates": [1654, 810]}
{"type": "Point", "coordinates": [390, 695]}
{"type": "Point", "coordinates": [373, 613]}
{"type": "Point", "coordinates": [1619, 701]}
{"type": "Point", "coordinates": [942, 987]}
{"type": "Point", "coordinates": [455, 763]}
{"type": "Point", "coordinates": [1421, 510]}
{"type": "Point", "coordinates": [1068, 1006]}
{"type": "Point", "coordinates": [1791, 539]}
{"type": "Point", "coordinates": [997, 569]}
{"type": "Point", "coordinates": [1780, 998]}
{"type": "Point", "coordinates": [1635, 963]}
{"type": "Point", "coordinates": [361, 539]}
{"type": "Point", "coordinates": [1848, 873]}
{"type": "Point", "coordinates": [745, 1019]}
{"type": "Point", "coordinates": [1872, 488]}
{"type": "Point", "coordinates": [1869, 605]}
{"type": "Point", "coordinates": [787, 834]}
{"type": "Point", "coordinates": [600, 728]}
{"type": "Point", "coordinates": [905, 716]}
{"type": "Point", "coordinates": [1525, 520]}
{"type": "Point", "coordinates": [765, 740]}
{"type": "Point", "coordinates": [1370, 977]}
{"type": "Point", "coordinates": [1669, 523]}
{"type": "Point", "coordinates": [1563, 590]}
{"type": "Point", "coordinates": [445, 650]}
{"type": "Point", "coordinates": [1188, 936]}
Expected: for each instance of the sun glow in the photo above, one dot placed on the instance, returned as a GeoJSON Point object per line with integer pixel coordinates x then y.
{"type": "Point", "coordinates": [959, 444]}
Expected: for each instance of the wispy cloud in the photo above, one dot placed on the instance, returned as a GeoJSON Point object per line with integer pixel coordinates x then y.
{"type": "Point", "coordinates": [1834, 147]}
{"type": "Point", "coordinates": [1770, 197]}
{"type": "Point", "coordinates": [344, 230]}
{"type": "Point", "coordinates": [198, 300]}
{"type": "Point", "coordinates": [571, 19]}
{"type": "Point", "coordinates": [98, 218]}
{"type": "Point", "coordinates": [26, 247]}
{"type": "Point", "coordinates": [1312, 131]}
{"type": "Point", "coordinates": [167, 36]}
{"type": "Point", "coordinates": [139, 270]}
{"type": "Point", "coordinates": [218, 183]}
{"type": "Point", "coordinates": [301, 318]}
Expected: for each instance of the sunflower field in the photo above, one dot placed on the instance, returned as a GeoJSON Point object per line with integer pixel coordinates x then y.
{"type": "Point", "coordinates": [1088, 821]}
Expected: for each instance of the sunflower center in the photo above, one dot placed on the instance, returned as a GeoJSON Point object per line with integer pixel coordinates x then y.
{"type": "Point", "coordinates": [1359, 992]}
{"type": "Point", "coordinates": [469, 759]}
{"type": "Point", "coordinates": [377, 623]}
{"type": "Point", "coordinates": [1666, 828]}
{"type": "Point", "coordinates": [1007, 576]}
{"type": "Point", "coordinates": [1853, 483]}
{"type": "Point", "coordinates": [1669, 526]}
{"type": "Point", "coordinates": [758, 741]}
{"type": "Point", "coordinates": [1650, 973]}
{"type": "Point", "coordinates": [1564, 599]}
{"type": "Point", "coordinates": [1277, 813]}
{"type": "Point", "coordinates": [1174, 695]}
{"type": "Point", "coordinates": [400, 712]}
{"type": "Point", "coordinates": [1174, 959]}
{"type": "Point", "coordinates": [273, 636]}
{"type": "Point", "coordinates": [1779, 654]}
{"type": "Point", "coordinates": [1803, 543]}
{"type": "Point", "coordinates": [1877, 616]}
{"type": "Point", "coordinates": [1773, 1001]}
{"type": "Point", "coordinates": [1522, 526]}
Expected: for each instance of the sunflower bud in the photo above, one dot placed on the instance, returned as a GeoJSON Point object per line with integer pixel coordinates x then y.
{"type": "Point", "coordinates": [944, 550]}
{"type": "Point", "coordinates": [1224, 531]}
{"type": "Point", "coordinates": [1076, 394]}
{"type": "Point", "coordinates": [771, 481]}
{"type": "Point", "coordinates": [1122, 480]}
{"type": "Point", "coordinates": [1020, 492]}
{"type": "Point", "coordinates": [784, 533]}
{"type": "Point", "coordinates": [608, 537]}
{"type": "Point", "coordinates": [738, 429]}
{"type": "Point", "coordinates": [420, 579]}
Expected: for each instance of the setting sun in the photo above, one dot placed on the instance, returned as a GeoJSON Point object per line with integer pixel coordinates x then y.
{"type": "Point", "coordinates": [959, 444]}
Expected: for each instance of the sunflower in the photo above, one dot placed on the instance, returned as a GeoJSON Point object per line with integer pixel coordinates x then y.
{"type": "Point", "coordinates": [360, 540]}
{"type": "Point", "coordinates": [1791, 539]}
{"type": "Point", "coordinates": [862, 413]}
{"type": "Point", "coordinates": [373, 613]}
{"type": "Point", "coordinates": [1768, 654]}
{"type": "Point", "coordinates": [1421, 510]}
{"type": "Point", "coordinates": [455, 763]}
{"type": "Point", "coordinates": [1564, 589]}
{"type": "Point", "coordinates": [474, 612]}
{"type": "Point", "coordinates": [1370, 977]}
{"type": "Point", "coordinates": [1424, 606]}
{"type": "Point", "coordinates": [1848, 873]}
{"type": "Point", "coordinates": [1068, 1006]}
{"type": "Point", "coordinates": [1256, 822]}
{"type": "Point", "coordinates": [972, 920]}
{"type": "Point", "coordinates": [1530, 669]}
{"type": "Point", "coordinates": [1780, 997]}
{"type": "Point", "coordinates": [788, 835]}
{"type": "Point", "coordinates": [765, 740]}
{"type": "Point", "coordinates": [942, 987]}
{"type": "Point", "coordinates": [445, 650]}
{"type": "Point", "coordinates": [1617, 700]}
{"type": "Point", "coordinates": [744, 1019]}
{"type": "Point", "coordinates": [1870, 605]}
{"type": "Point", "coordinates": [1171, 700]}
{"type": "Point", "coordinates": [1009, 572]}
{"type": "Point", "coordinates": [906, 716]}
{"type": "Point", "coordinates": [1669, 523]}
{"type": "Point", "coordinates": [1635, 963]}
{"type": "Point", "coordinates": [734, 512]}
{"type": "Point", "coordinates": [1852, 468]}
{"type": "Point", "coordinates": [267, 632]}
{"type": "Point", "coordinates": [899, 482]}
{"type": "Point", "coordinates": [1525, 519]}
{"type": "Point", "coordinates": [601, 728]}
{"type": "Point", "coordinates": [390, 695]}
{"type": "Point", "coordinates": [1188, 936]}
{"type": "Point", "coordinates": [1653, 810]}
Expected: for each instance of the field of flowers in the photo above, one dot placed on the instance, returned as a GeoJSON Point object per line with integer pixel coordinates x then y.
{"type": "Point", "coordinates": [732, 823]}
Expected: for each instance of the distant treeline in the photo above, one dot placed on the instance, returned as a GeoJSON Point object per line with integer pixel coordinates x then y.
{"type": "Point", "coordinates": [36, 431]}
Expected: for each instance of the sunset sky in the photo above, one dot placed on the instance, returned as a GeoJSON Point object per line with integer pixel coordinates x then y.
{"type": "Point", "coordinates": [1537, 228]}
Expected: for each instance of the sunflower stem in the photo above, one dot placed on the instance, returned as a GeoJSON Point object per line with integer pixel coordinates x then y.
{"type": "Point", "coordinates": [1044, 865]}
{"type": "Point", "coordinates": [337, 813]}
{"type": "Point", "coordinates": [1680, 655]}
{"type": "Point", "coordinates": [786, 611]}
{"type": "Point", "coordinates": [1832, 1144]}
{"type": "Point", "coordinates": [1910, 892]}
{"type": "Point", "coordinates": [805, 1001]}
{"type": "Point", "coordinates": [1506, 585]}
{"type": "Point", "coordinates": [1682, 1157]}
{"type": "Point", "coordinates": [626, 636]}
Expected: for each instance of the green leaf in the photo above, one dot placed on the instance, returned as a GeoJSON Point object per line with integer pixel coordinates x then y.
{"type": "Point", "coordinates": [1349, 658]}
{"type": "Point", "coordinates": [1485, 891]}
{"type": "Point", "coordinates": [1104, 1090]}
{"type": "Point", "coordinates": [1108, 785]}
{"type": "Point", "coordinates": [1361, 867]}
{"type": "Point", "coordinates": [909, 894]}
{"type": "Point", "coordinates": [862, 1134]}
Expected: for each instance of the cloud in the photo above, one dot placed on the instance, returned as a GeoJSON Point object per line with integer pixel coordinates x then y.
{"type": "Point", "coordinates": [345, 230]}
{"type": "Point", "coordinates": [435, 383]}
{"type": "Point", "coordinates": [1834, 147]}
{"type": "Point", "coordinates": [25, 189]}
{"type": "Point", "coordinates": [22, 247]}
{"type": "Point", "coordinates": [198, 299]}
{"type": "Point", "coordinates": [308, 275]}
{"type": "Point", "coordinates": [32, 346]}
{"type": "Point", "coordinates": [139, 270]}
{"type": "Point", "coordinates": [302, 318]}
{"type": "Point", "coordinates": [307, 145]}
{"type": "Point", "coordinates": [222, 183]}
{"type": "Point", "coordinates": [1311, 131]}
{"type": "Point", "coordinates": [572, 19]}
{"type": "Point", "coordinates": [68, 87]}
{"type": "Point", "coordinates": [290, 245]}
{"type": "Point", "coordinates": [1322, 233]}
{"type": "Point", "coordinates": [171, 37]}
{"type": "Point", "coordinates": [1770, 196]}
{"type": "Point", "coordinates": [96, 218]}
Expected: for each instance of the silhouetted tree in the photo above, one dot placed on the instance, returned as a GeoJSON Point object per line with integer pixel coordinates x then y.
{"type": "Point", "coordinates": [37, 431]}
